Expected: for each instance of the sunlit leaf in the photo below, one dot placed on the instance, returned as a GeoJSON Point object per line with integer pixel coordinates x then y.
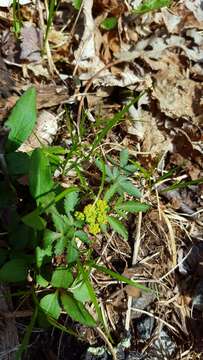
{"type": "Point", "coordinates": [61, 278]}
{"type": "Point", "coordinates": [109, 23]}
{"type": "Point", "coordinates": [150, 5]}
{"type": "Point", "coordinates": [50, 304]}
{"type": "Point", "coordinates": [40, 179]}
{"type": "Point", "coordinates": [133, 206]}
{"type": "Point", "coordinates": [70, 201]}
{"type": "Point", "coordinates": [124, 157]}
{"type": "Point", "coordinates": [76, 310]}
{"type": "Point", "coordinates": [21, 120]}
{"type": "Point", "coordinates": [118, 227]}
{"type": "Point", "coordinates": [128, 187]}
{"type": "Point", "coordinates": [77, 4]}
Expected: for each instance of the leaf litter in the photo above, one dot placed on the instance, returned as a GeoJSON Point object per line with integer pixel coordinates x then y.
{"type": "Point", "coordinates": [159, 54]}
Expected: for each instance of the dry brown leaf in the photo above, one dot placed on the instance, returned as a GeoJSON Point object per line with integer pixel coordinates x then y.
{"type": "Point", "coordinates": [31, 42]}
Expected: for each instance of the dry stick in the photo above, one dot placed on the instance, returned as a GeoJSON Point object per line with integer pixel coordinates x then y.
{"type": "Point", "coordinates": [106, 340]}
{"type": "Point", "coordinates": [89, 84]}
{"type": "Point", "coordinates": [155, 317]}
{"type": "Point", "coordinates": [134, 260]}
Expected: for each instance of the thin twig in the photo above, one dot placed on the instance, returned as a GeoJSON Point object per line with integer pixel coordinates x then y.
{"type": "Point", "coordinates": [106, 340]}
{"type": "Point", "coordinates": [134, 260]}
{"type": "Point", "coordinates": [155, 317]}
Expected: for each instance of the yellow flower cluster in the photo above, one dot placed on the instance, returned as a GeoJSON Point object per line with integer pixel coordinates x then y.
{"type": "Point", "coordinates": [79, 215]}
{"type": "Point", "coordinates": [96, 215]}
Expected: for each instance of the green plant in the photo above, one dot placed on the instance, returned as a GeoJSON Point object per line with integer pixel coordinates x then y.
{"type": "Point", "coordinates": [150, 5]}
{"type": "Point", "coordinates": [17, 22]}
{"type": "Point", "coordinates": [51, 237]}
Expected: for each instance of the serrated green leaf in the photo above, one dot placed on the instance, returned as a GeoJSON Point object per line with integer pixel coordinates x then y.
{"type": "Point", "coordinates": [101, 166]}
{"type": "Point", "coordinates": [109, 23]}
{"type": "Point", "coordinates": [131, 168]}
{"type": "Point", "coordinates": [82, 236]}
{"type": "Point", "coordinates": [128, 187]}
{"type": "Point", "coordinates": [76, 310]}
{"type": "Point", "coordinates": [34, 220]}
{"type": "Point", "coordinates": [111, 192]}
{"type": "Point", "coordinates": [118, 227]}
{"type": "Point", "coordinates": [60, 245]}
{"type": "Point", "coordinates": [50, 304]}
{"type": "Point", "coordinates": [72, 252]}
{"type": "Point", "coordinates": [124, 155]}
{"type": "Point", "coordinates": [133, 206]}
{"type": "Point", "coordinates": [150, 5]}
{"type": "Point", "coordinates": [49, 237]}
{"type": "Point", "coordinates": [58, 221]}
{"type": "Point", "coordinates": [42, 254]}
{"type": "Point", "coordinates": [61, 278]}
{"type": "Point", "coordinates": [14, 270]}
{"type": "Point", "coordinates": [70, 202]}
{"type": "Point", "coordinates": [21, 120]}
{"type": "Point", "coordinates": [40, 179]}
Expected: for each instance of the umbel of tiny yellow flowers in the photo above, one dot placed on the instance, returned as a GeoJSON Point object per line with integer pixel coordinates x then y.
{"type": "Point", "coordinates": [94, 215]}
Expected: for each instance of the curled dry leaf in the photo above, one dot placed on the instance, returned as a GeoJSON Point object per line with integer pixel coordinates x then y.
{"type": "Point", "coordinates": [43, 133]}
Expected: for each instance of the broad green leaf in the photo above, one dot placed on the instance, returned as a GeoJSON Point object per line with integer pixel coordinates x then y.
{"type": "Point", "coordinates": [128, 187]}
{"type": "Point", "coordinates": [61, 278]}
{"type": "Point", "coordinates": [34, 220]}
{"type": "Point", "coordinates": [40, 180]}
{"type": "Point", "coordinates": [124, 158]}
{"type": "Point", "coordinates": [150, 5]}
{"type": "Point", "coordinates": [70, 201]}
{"type": "Point", "coordinates": [18, 163]}
{"type": "Point", "coordinates": [21, 120]}
{"type": "Point", "coordinates": [40, 280]}
{"type": "Point", "coordinates": [50, 304]}
{"type": "Point", "coordinates": [60, 245]}
{"type": "Point", "coordinates": [72, 252]}
{"type": "Point", "coordinates": [77, 4]}
{"type": "Point", "coordinates": [42, 255]}
{"type": "Point", "coordinates": [76, 310]}
{"type": "Point", "coordinates": [111, 192]}
{"type": "Point", "coordinates": [82, 236]}
{"type": "Point", "coordinates": [100, 164]}
{"type": "Point", "coordinates": [118, 227]}
{"type": "Point", "coordinates": [109, 23]}
{"type": "Point", "coordinates": [80, 292]}
{"type": "Point", "coordinates": [133, 206]}
{"type": "Point", "coordinates": [14, 270]}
